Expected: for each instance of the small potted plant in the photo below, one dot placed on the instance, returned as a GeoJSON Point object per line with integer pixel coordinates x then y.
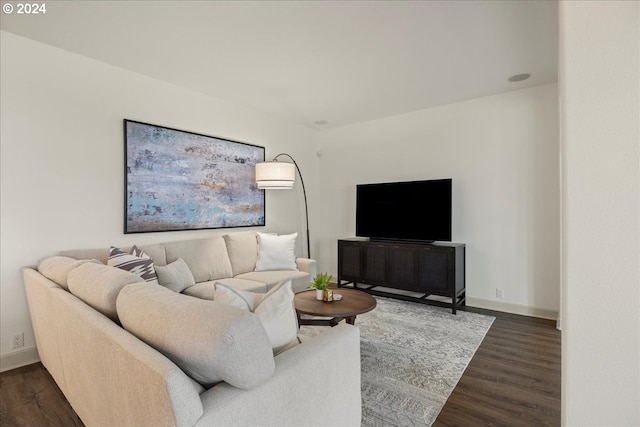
{"type": "Point", "coordinates": [321, 282]}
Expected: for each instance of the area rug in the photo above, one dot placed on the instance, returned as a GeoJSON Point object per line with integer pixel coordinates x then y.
{"type": "Point", "coordinates": [412, 358]}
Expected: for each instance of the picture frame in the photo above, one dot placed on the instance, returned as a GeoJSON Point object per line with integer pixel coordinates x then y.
{"type": "Point", "coordinates": [180, 180]}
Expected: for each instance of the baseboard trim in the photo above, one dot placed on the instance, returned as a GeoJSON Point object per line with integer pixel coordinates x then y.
{"type": "Point", "coordinates": [18, 359]}
{"type": "Point", "coordinates": [512, 308]}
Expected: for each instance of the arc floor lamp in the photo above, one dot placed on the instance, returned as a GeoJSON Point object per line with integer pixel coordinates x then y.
{"type": "Point", "coordinates": [277, 175]}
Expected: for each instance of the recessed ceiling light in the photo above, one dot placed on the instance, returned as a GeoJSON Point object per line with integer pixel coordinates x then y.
{"type": "Point", "coordinates": [519, 77]}
{"type": "Point", "coordinates": [320, 122]}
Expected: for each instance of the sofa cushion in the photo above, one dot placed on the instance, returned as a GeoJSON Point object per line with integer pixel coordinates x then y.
{"type": "Point", "coordinates": [157, 253]}
{"type": "Point", "coordinates": [275, 310]}
{"type": "Point", "coordinates": [102, 254]}
{"type": "Point", "coordinates": [175, 276]}
{"type": "Point", "coordinates": [243, 251]}
{"type": "Point", "coordinates": [57, 268]}
{"type": "Point", "coordinates": [136, 262]}
{"type": "Point", "coordinates": [244, 284]}
{"type": "Point", "coordinates": [202, 290]}
{"type": "Point", "coordinates": [209, 341]}
{"type": "Point", "coordinates": [98, 285]}
{"type": "Point", "coordinates": [276, 252]}
{"type": "Point", "coordinates": [205, 290]}
{"type": "Point", "coordinates": [207, 258]}
{"type": "Point", "coordinates": [271, 278]}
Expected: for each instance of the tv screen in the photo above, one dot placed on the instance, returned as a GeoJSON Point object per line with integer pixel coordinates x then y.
{"type": "Point", "coordinates": [414, 210]}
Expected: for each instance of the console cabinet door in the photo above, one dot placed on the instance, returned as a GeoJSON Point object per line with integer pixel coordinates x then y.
{"type": "Point", "coordinates": [375, 264]}
{"type": "Point", "coordinates": [403, 267]}
{"type": "Point", "coordinates": [436, 270]}
{"type": "Point", "coordinates": [350, 256]}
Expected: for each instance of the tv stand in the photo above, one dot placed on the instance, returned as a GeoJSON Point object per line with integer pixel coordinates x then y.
{"type": "Point", "coordinates": [428, 273]}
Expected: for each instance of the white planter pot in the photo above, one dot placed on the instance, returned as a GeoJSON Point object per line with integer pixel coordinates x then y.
{"type": "Point", "coordinates": [319, 294]}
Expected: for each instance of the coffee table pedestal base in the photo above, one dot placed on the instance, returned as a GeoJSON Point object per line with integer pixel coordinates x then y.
{"type": "Point", "coordinates": [326, 322]}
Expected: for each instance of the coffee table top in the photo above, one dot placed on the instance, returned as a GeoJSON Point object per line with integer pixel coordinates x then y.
{"type": "Point", "coordinates": [353, 302]}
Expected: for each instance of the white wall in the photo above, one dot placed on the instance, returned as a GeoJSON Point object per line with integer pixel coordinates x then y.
{"type": "Point", "coordinates": [62, 159]}
{"type": "Point", "coordinates": [502, 153]}
{"type": "Point", "coordinates": [600, 91]}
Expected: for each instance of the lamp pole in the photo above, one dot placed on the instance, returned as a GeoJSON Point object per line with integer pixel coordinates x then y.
{"type": "Point", "coordinates": [304, 192]}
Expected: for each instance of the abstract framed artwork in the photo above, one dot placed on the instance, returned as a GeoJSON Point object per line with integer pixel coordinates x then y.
{"type": "Point", "coordinates": [178, 180]}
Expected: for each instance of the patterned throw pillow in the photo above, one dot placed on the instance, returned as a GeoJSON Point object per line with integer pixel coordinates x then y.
{"type": "Point", "coordinates": [136, 262]}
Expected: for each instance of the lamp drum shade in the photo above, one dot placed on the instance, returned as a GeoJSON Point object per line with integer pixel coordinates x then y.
{"type": "Point", "coordinates": [275, 175]}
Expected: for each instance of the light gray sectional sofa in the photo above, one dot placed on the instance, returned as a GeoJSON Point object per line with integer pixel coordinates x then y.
{"type": "Point", "coordinates": [127, 352]}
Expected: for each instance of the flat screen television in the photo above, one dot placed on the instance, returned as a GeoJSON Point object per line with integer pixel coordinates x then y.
{"type": "Point", "coordinates": [413, 210]}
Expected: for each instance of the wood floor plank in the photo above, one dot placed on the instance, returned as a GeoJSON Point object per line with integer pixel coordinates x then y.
{"type": "Point", "coordinates": [30, 397]}
{"type": "Point", "coordinates": [513, 379]}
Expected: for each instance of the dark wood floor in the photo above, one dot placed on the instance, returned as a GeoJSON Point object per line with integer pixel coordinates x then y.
{"type": "Point", "coordinates": [513, 380]}
{"type": "Point", "coordinates": [30, 397]}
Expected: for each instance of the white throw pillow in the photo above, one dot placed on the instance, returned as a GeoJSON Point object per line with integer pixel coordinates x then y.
{"type": "Point", "coordinates": [275, 310]}
{"type": "Point", "coordinates": [276, 252]}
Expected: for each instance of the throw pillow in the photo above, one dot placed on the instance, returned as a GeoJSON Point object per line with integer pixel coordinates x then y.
{"type": "Point", "coordinates": [275, 309]}
{"type": "Point", "coordinates": [276, 252]}
{"type": "Point", "coordinates": [175, 276]}
{"type": "Point", "coordinates": [136, 262]}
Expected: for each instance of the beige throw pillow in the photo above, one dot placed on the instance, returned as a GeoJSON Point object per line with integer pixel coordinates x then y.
{"type": "Point", "coordinates": [275, 310]}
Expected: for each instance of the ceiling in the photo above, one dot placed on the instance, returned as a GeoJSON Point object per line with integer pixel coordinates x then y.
{"type": "Point", "coordinates": [341, 62]}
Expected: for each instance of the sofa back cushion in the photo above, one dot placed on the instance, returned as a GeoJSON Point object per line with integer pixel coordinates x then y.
{"type": "Point", "coordinates": [101, 254]}
{"type": "Point", "coordinates": [156, 252]}
{"type": "Point", "coordinates": [98, 285]}
{"type": "Point", "coordinates": [57, 268]}
{"type": "Point", "coordinates": [209, 341]}
{"type": "Point", "coordinates": [207, 258]}
{"type": "Point", "coordinates": [243, 251]}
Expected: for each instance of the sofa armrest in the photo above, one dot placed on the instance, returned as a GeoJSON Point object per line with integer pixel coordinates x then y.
{"type": "Point", "coordinates": [108, 376]}
{"type": "Point", "coordinates": [327, 365]}
{"type": "Point", "coordinates": [308, 266]}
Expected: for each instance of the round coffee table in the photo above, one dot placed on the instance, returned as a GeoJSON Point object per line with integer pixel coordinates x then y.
{"type": "Point", "coordinates": [353, 302]}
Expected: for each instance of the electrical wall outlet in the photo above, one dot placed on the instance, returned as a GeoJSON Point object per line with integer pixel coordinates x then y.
{"type": "Point", "coordinates": [18, 340]}
{"type": "Point", "coordinates": [499, 293]}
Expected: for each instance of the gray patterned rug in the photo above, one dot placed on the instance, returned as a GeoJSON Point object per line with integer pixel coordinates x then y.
{"type": "Point", "coordinates": [412, 358]}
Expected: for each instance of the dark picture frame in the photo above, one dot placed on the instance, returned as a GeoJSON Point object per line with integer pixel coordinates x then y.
{"type": "Point", "coordinates": [179, 180]}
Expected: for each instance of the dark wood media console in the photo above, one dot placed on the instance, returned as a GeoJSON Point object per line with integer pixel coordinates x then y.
{"type": "Point", "coordinates": [433, 273]}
